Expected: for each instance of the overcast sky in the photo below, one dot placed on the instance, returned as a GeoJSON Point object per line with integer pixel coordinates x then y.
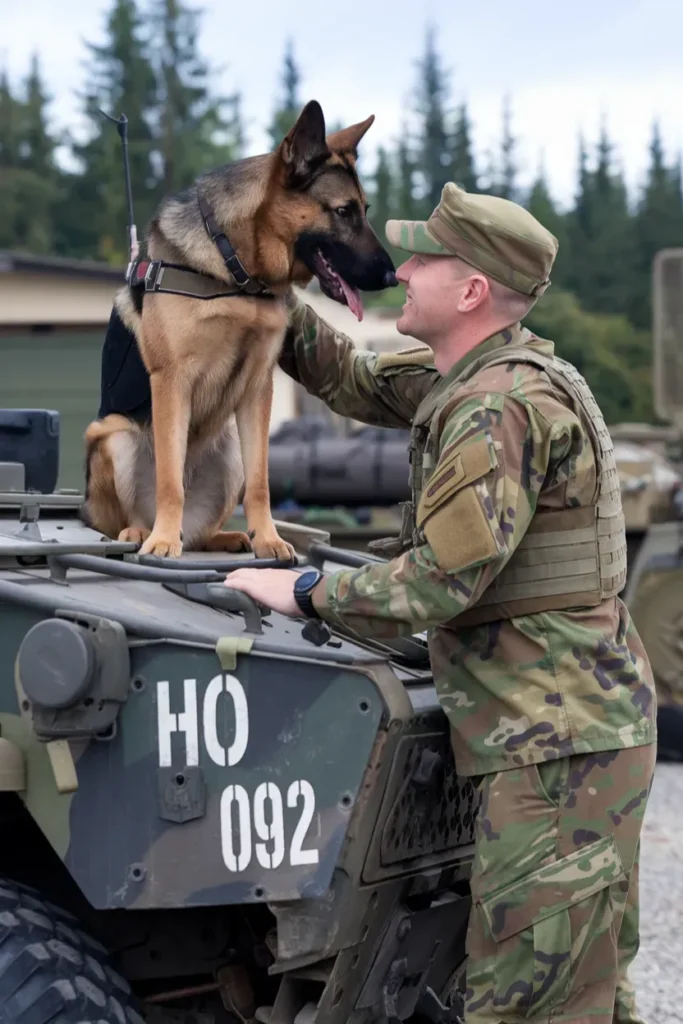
{"type": "Point", "coordinates": [566, 64]}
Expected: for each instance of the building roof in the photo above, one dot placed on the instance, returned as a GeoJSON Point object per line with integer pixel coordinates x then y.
{"type": "Point", "coordinates": [12, 261]}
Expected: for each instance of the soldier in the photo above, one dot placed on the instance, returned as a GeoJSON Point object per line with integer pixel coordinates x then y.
{"type": "Point", "coordinates": [512, 556]}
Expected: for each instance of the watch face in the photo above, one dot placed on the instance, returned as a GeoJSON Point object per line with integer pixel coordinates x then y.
{"type": "Point", "coordinates": [306, 579]}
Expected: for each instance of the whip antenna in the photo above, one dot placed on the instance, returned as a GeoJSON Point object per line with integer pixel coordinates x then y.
{"type": "Point", "coordinates": [122, 128]}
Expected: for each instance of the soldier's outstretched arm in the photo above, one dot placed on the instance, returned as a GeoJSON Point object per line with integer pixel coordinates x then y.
{"type": "Point", "coordinates": [494, 455]}
{"type": "Point", "coordinates": [381, 390]}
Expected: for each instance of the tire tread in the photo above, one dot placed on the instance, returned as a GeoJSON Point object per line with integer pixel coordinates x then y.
{"type": "Point", "coordinates": [51, 971]}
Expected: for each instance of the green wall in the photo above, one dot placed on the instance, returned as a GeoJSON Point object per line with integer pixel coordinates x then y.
{"type": "Point", "coordinates": [56, 370]}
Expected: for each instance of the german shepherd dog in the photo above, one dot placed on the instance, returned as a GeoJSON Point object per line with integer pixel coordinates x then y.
{"type": "Point", "coordinates": [169, 479]}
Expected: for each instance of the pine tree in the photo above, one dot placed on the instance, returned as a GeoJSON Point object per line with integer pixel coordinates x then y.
{"type": "Point", "coordinates": [506, 177]}
{"type": "Point", "coordinates": [579, 226]}
{"type": "Point", "coordinates": [120, 80]}
{"type": "Point", "coordinates": [196, 130]}
{"type": "Point", "coordinates": [10, 146]}
{"type": "Point", "coordinates": [540, 203]}
{"type": "Point", "coordinates": [584, 200]}
{"type": "Point", "coordinates": [381, 199]}
{"type": "Point", "coordinates": [10, 125]}
{"type": "Point", "coordinates": [658, 224]}
{"type": "Point", "coordinates": [610, 253]}
{"type": "Point", "coordinates": [38, 145]}
{"type": "Point", "coordinates": [677, 178]}
{"type": "Point", "coordinates": [463, 171]}
{"type": "Point", "coordinates": [28, 179]}
{"type": "Point", "coordinates": [489, 178]}
{"type": "Point", "coordinates": [405, 178]}
{"type": "Point", "coordinates": [435, 154]}
{"type": "Point", "coordinates": [290, 104]}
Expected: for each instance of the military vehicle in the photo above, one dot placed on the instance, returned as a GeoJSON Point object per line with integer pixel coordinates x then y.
{"type": "Point", "coordinates": [210, 812]}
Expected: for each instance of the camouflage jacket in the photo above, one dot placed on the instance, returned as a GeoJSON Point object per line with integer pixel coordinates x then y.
{"type": "Point", "coordinates": [516, 691]}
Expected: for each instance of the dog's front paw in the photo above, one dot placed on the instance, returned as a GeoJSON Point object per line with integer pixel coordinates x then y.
{"type": "Point", "coordinates": [269, 545]}
{"type": "Point", "coordinates": [163, 545]}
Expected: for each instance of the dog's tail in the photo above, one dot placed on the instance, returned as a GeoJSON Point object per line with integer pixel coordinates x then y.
{"type": "Point", "coordinates": [101, 509]}
{"type": "Point", "coordinates": [110, 424]}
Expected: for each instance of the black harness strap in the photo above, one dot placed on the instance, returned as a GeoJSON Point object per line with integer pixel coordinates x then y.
{"type": "Point", "coordinates": [230, 257]}
{"type": "Point", "coordinates": [173, 279]}
{"type": "Point", "coordinates": [222, 243]}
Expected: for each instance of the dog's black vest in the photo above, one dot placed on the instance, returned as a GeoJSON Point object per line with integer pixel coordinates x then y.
{"type": "Point", "coordinates": [124, 387]}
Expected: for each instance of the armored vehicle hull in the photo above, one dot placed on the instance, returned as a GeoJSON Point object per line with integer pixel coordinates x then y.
{"type": "Point", "coordinates": [216, 813]}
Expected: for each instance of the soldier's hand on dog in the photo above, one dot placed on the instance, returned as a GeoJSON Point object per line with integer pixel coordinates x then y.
{"type": "Point", "coordinates": [272, 587]}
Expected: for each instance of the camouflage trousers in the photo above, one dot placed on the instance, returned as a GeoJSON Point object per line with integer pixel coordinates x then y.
{"type": "Point", "coordinates": [554, 924]}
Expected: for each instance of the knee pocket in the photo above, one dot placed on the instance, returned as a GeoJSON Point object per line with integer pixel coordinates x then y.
{"type": "Point", "coordinates": [551, 929]}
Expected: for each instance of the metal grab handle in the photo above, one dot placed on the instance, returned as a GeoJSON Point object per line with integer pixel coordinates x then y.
{"type": "Point", "coordinates": [218, 596]}
{"type": "Point", "coordinates": [237, 601]}
{"type": "Point", "coordinates": [218, 565]}
{"type": "Point", "coordinates": [133, 571]}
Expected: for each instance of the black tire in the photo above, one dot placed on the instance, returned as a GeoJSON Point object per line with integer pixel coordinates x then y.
{"type": "Point", "coordinates": [51, 972]}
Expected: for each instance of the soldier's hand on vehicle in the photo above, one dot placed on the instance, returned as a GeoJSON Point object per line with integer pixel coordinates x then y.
{"type": "Point", "coordinates": [272, 587]}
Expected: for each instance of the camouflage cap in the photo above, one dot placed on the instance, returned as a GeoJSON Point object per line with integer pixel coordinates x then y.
{"type": "Point", "coordinates": [495, 235]}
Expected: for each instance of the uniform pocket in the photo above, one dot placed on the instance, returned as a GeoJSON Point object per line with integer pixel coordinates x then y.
{"type": "Point", "coordinates": [544, 925]}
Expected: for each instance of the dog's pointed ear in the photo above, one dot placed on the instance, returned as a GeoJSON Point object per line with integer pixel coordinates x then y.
{"type": "Point", "coordinates": [346, 139]}
{"type": "Point", "coordinates": [304, 147]}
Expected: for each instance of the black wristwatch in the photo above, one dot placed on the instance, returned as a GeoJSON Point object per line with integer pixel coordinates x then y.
{"type": "Point", "coordinates": [306, 582]}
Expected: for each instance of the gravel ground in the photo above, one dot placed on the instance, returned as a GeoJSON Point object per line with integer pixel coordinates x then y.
{"type": "Point", "coordinates": [657, 970]}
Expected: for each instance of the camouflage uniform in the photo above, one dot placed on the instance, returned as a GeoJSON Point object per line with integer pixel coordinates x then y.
{"type": "Point", "coordinates": [511, 556]}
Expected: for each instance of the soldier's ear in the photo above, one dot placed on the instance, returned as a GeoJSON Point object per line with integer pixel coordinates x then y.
{"type": "Point", "coordinates": [476, 292]}
{"type": "Point", "coordinates": [304, 147]}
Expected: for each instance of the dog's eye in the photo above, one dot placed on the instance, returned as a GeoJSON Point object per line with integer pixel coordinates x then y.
{"type": "Point", "coordinates": [344, 211]}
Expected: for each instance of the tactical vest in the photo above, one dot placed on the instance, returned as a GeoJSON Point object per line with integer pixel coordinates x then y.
{"type": "Point", "coordinates": [567, 558]}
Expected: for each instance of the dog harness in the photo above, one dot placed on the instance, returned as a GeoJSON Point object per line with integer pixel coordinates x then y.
{"type": "Point", "coordinates": [145, 275]}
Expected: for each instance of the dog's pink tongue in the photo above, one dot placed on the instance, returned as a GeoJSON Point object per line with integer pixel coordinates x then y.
{"type": "Point", "coordinates": [353, 299]}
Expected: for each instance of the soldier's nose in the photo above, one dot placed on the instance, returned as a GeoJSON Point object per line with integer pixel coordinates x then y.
{"type": "Point", "coordinates": [390, 279]}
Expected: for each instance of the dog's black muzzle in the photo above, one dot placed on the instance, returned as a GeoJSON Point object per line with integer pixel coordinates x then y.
{"type": "Point", "coordinates": [369, 272]}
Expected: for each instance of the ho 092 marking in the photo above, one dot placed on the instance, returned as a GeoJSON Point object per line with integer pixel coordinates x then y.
{"type": "Point", "coordinates": [250, 826]}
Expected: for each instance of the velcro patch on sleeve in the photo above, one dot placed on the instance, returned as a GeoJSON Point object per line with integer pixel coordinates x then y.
{"type": "Point", "coordinates": [451, 511]}
{"type": "Point", "coordinates": [460, 467]}
{"type": "Point", "coordinates": [418, 355]}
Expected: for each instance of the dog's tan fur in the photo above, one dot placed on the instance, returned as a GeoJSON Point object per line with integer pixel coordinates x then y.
{"type": "Point", "coordinates": [211, 363]}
